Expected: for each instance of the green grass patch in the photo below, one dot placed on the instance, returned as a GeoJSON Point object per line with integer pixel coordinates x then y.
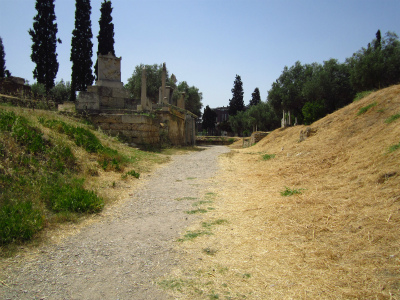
{"type": "Point", "coordinates": [393, 148]}
{"type": "Point", "coordinates": [392, 118]}
{"type": "Point", "coordinates": [26, 135]}
{"type": "Point", "coordinates": [364, 109]}
{"type": "Point", "coordinates": [173, 284]}
{"type": "Point", "coordinates": [268, 156]}
{"type": "Point", "coordinates": [361, 95]}
{"type": "Point", "coordinates": [109, 159]}
{"type": "Point", "coordinates": [290, 192]}
{"type": "Point", "coordinates": [19, 221]}
{"type": "Point", "coordinates": [201, 202]}
{"type": "Point", "coordinates": [190, 235]}
{"type": "Point", "coordinates": [213, 223]}
{"type": "Point", "coordinates": [133, 173]}
{"type": "Point", "coordinates": [196, 211]}
{"type": "Point", "coordinates": [71, 196]}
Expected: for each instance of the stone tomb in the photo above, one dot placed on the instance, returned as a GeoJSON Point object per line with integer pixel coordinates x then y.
{"type": "Point", "coordinates": [109, 107]}
{"type": "Point", "coordinates": [109, 92]}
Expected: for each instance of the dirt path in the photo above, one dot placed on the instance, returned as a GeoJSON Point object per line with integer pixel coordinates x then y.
{"type": "Point", "coordinates": [122, 255]}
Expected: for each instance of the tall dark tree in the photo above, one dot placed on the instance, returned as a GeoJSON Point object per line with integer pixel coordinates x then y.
{"type": "Point", "coordinates": [44, 44]}
{"type": "Point", "coordinates": [255, 97]}
{"type": "Point", "coordinates": [81, 49]}
{"type": "Point", "coordinates": [236, 104]}
{"type": "Point", "coordinates": [2, 60]}
{"type": "Point", "coordinates": [378, 41]}
{"type": "Point", "coordinates": [106, 33]}
{"type": "Point", "coordinates": [209, 119]}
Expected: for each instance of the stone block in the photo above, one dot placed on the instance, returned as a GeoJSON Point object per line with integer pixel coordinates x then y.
{"type": "Point", "coordinates": [104, 126]}
{"type": "Point", "coordinates": [119, 93]}
{"type": "Point", "coordinates": [109, 83]}
{"type": "Point", "coordinates": [137, 119]}
{"type": "Point", "coordinates": [129, 133]}
{"type": "Point", "coordinates": [120, 126]}
{"type": "Point", "coordinates": [87, 101]}
{"type": "Point", "coordinates": [109, 67]}
{"type": "Point", "coordinates": [104, 118]}
{"type": "Point", "coordinates": [110, 102]}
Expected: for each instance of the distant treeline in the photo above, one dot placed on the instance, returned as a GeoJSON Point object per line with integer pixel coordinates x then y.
{"type": "Point", "coordinates": [311, 91]}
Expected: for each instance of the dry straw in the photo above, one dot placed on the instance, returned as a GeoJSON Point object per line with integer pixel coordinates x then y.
{"type": "Point", "coordinates": [338, 239]}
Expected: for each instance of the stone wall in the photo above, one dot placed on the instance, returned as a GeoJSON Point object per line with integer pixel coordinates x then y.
{"type": "Point", "coordinates": [257, 136]}
{"type": "Point", "coordinates": [137, 129]}
{"type": "Point", "coordinates": [14, 86]}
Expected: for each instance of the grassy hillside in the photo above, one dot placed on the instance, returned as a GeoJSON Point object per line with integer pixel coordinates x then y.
{"type": "Point", "coordinates": [56, 169]}
{"type": "Point", "coordinates": [317, 219]}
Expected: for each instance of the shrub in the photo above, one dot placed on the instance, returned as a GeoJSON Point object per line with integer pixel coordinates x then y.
{"type": "Point", "coordinates": [61, 196]}
{"type": "Point", "coordinates": [19, 221]}
{"type": "Point", "coordinates": [133, 173]}
{"type": "Point", "coordinates": [313, 111]}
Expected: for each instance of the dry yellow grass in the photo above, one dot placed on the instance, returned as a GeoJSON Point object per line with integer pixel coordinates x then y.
{"type": "Point", "coordinates": [339, 239]}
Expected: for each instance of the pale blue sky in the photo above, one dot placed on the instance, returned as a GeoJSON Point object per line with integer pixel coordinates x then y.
{"type": "Point", "coordinates": [208, 42]}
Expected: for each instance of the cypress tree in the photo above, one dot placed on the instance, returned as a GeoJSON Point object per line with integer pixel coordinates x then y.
{"type": "Point", "coordinates": [81, 49]}
{"type": "Point", "coordinates": [236, 104]}
{"type": "Point", "coordinates": [378, 40]}
{"type": "Point", "coordinates": [255, 97]}
{"type": "Point", "coordinates": [2, 60]}
{"type": "Point", "coordinates": [44, 44]}
{"type": "Point", "coordinates": [106, 33]}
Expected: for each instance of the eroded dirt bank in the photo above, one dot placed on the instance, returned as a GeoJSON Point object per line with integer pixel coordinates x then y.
{"type": "Point", "coordinates": [121, 255]}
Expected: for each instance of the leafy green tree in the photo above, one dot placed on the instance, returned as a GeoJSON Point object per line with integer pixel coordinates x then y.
{"type": "Point", "coordinates": [106, 33]}
{"type": "Point", "coordinates": [209, 119]}
{"type": "Point", "coordinates": [391, 55]}
{"type": "Point", "coordinates": [44, 43]}
{"type": "Point", "coordinates": [193, 97]}
{"type": "Point", "coordinates": [331, 82]}
{"type": "Point", "coordinates": [255, 97]}
{"type": "Point", "coordinates": [38, 89]}
{"type": "Point", "coordinates": [313, 111]}
{"type": "Point", "coordinates": [61, 91]}
{"type": "Point", "coordinates": [153, 81]}
{"type": "Point", "coordinates": [2, 60]}
{"type": "Point", "coordinates": [236, 104]}
{"type": "Point", "coordinates": [81, 49]}
{"type": "Point", "coordinates": [376, 67]}
{"type": "Point", "coordinates": [287, 91]}
{"type": "Point", "coordinates": [238, 122]}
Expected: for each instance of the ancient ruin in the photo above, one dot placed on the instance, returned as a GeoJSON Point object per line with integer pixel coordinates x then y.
{"type": "Point", "coordinates": [138, 121]}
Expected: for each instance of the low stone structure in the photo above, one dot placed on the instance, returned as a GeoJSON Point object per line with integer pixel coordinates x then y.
{"type": "Point", "coordinates": [14, 86]}
{"type": "Point", "coordinates": [257, 136]}
{"type": "Point", "coordinates": [304, 134]}
{"type": "Point", "coordinates": [141, 122]}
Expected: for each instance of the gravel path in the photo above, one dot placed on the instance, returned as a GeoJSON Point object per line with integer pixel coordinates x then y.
{"type": "Point", "coordinates": [122, 255]}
